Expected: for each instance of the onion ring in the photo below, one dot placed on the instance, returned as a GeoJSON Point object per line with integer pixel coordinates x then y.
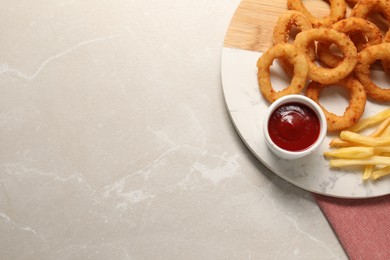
{"type": "Point", "coordinates": [338, 9]}
{"type": "Point", "coordinates": [387, 36]}
{"type": "Point", "coordinates": [357, 29]}
{"type": "Point", "coordinates": [362, 70]}
{"type": "Point", "coordinates": [352, 113]}
{"type": "Point", "coordinates": [328, 75]}
{"type": "Point", "coordinates": [282, 31]}
{"type": "Point", "coordinates": [385, 63]}
{"type": "Point", "coordinates": [296, 58]}
{"type": "Point", "coordinates": [352, 2]}
{"type": "Point", "coordinates": [364, 8]}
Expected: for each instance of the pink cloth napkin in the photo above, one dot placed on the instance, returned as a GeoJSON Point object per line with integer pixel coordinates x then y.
{"type": "Point", "coordinates": [362, 225]}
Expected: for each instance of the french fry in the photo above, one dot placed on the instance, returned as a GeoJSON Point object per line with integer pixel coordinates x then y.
{"type": "Point", "coordinates": [337, 142]}
{"type": "Point", "coordinates": [381, 172]}
{"type": "Point", "coordinates": [364, 140]}
{"type": "Point", "coordinates": [382, 130]}
{"type": "Point", "coordinates": [369, 121]}
{"type": "Point", "coordinates": [370, 151]}
{"type": "Point", "coordinates": [367, 172]}
{"type": "Point", "coordinates": [373, 160]}
{"type": "Point", "coordinates": [381, 149]}
{"type": "Point", "coordinates": [386, 132]}
{"type": "Point", "coordinates": [351, 152]}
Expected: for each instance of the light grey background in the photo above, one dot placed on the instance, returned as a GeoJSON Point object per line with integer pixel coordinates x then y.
{"type": "Point", "coordinates": [116, 143]}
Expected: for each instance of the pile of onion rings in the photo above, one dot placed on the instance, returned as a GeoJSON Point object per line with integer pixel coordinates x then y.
{"type": "Point", "coordinates": [313, 64]}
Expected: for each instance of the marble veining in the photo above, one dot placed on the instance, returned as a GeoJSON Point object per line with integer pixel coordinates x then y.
{"type": "Point", "coordinates": [116, 142]}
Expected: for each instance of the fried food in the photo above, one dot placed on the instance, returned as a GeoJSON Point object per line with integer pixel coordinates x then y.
{"type": "Point", "coordinates": [382, 129]}
{"type": "Point", "coordinates": [386, 64]}
{"type": "Point", "coordinates": [338, 9]}
{"type": "Point", "coordinates": [357, 152]}
{"type": "Point", "coordinates": [361, 44]}
{"type": "Point", "coordinates": [362, 70]}
{"type": "Point", "coordinates": [352, 2]}
{"type": "Point", "coordinates": [373, 160]}
{"type": "Point", "coordinates": [352, 113]}
{"type": "Point", "coordinates": [364, 8]}
{"type": "Point", "coordinates": [381, 172]}
{"type": "Point", "coordinates": [371, 121]}
{"type": "Point", "coordinates": [328, 75]}
{"type": "Point", "coordinates": [361, 29]}
{"type": "Point", "coordinates": [362, 32]}
{"type": "Point", "coordinates": [359, 41]}
{"type": "Point", "coordinates": [297, 59]}
{"type": "Point", "coordinates": [364, 140]}
{"type": "Point", "coordinates": [387, 36]}
{"type": "Point", "coordinates": [370, 151]}
{"type": "Point", "coordinates": [282, 31]}
{"type": "Point", "coordinates": [367, 172]}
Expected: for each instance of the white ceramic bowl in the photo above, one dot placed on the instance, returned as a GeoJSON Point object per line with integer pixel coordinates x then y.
{"type": "Point", "coordinates": [295, 154]}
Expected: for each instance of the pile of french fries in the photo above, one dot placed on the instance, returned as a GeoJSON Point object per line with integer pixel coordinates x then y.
{"type": "Point", "coordinates": [372, 151]}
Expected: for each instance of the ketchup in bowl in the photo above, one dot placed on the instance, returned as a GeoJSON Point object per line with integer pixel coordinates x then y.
{"type": "Point", "coordinates": [294, 126]}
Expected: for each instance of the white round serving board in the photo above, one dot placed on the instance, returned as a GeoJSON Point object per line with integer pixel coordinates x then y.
{"type": "Point", "coordinates": [246, 107]}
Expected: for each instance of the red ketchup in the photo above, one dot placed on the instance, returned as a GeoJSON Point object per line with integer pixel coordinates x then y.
{"type": "Point", "coordinates": [294, 126]}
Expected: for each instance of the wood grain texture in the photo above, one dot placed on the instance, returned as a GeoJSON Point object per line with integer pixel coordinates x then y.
{"type": "Point", "coordinates": [252, 24]}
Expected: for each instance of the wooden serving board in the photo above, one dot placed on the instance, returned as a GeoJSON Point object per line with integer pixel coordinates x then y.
{"type": "Point", "coordinates": [253, 22]}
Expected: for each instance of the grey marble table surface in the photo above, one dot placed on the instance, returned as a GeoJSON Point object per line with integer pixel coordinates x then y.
{"type": "Point", "coordinates": [116, 142]}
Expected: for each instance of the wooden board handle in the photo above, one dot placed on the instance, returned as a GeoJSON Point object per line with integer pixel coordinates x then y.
{"type": "Point", "coordinates": [253, 22]}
